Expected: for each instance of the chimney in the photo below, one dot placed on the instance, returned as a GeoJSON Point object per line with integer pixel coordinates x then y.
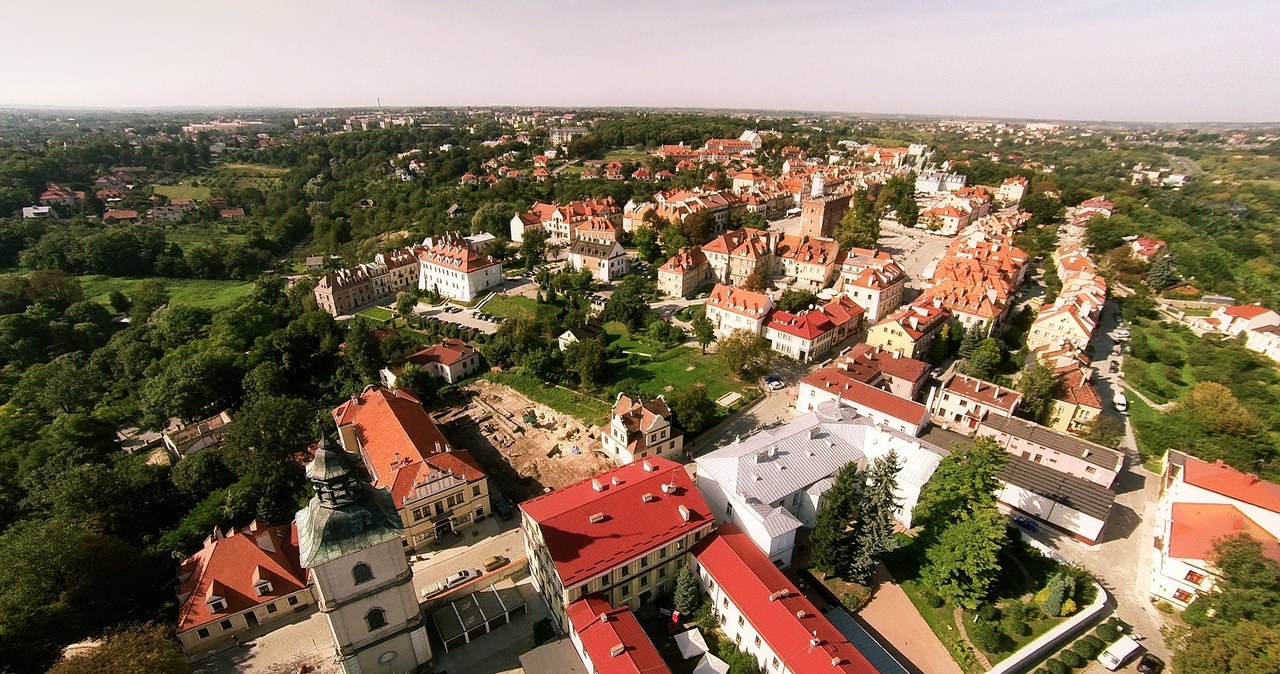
{"type": "Point", "coordinates": [604, 617]}
{"type": "Point", "coordinates": [596, 518]}
{"type": "Point", "coordinates": [648, 497]}
{"type": "Point", "coordinates": [596, 484]}
{"type": "Point", "coordinates": [618, 649]}
{"type": "Point", "coordinates": [684, 513]}
{"type": "Point", "coordinates": [648, 467]}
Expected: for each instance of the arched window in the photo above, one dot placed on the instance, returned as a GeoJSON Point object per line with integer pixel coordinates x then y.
{"type": "Point", "coordinates": [361, 572]}
{"type": "Point", "coordinates": [375, 618]}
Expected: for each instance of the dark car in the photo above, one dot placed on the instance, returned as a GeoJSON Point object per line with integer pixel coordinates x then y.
{"type": "Point", "coordinates": [1027, 523]}
{"type": "Point", "coordinates": [1150, 664]}
{"type": "Point", "coordinates": [504, 509]}
{"type": "Point", "coordinates": [1114, 366]}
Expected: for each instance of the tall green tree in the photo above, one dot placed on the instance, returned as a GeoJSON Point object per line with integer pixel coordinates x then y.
{"type": "Point", "coordinates": [533, 248]}
{"type": "Point", "coordinates": [362, 355]}
{"type": "Point", "coordinates": [747, 354]}
{"type": "Point", "coordinates": [703, 331]}
{"type": "Point", "coordinates": [860, 225]}
{"type": "Point", "coordinates": [1163, 273]}
{"type": "Point", "coordinates": [146, 297]}
{"type": "Point", "coordinates": [985, 360]}
{"type": "Point", "coordinates": [964, 563]}
{"type": "Point", "coordinates": [832, 540]}
{"type": "Point", "coordinates": [688, 596]}
{"type": "Point", "coordinates": [586, 359]}
{"type": "Point", "coordinates": [872, 533]}
{"type": "Point", "coordinates": [1243, 648]}
{"type": "Point", "coordinates": [964, 484]}
{"type": "Point", "coordinates": [693, 408]}
{"type": "Point", "coordinates": [141, 649]}
{"type": "Point", "coordinates": [645, 239]}
{"type": "Point", "coordinates": [794, 301]}
{"type": "Point", "coordinates": [972, 339]}
{"type": "Point", "coordinates": [1036, 387]}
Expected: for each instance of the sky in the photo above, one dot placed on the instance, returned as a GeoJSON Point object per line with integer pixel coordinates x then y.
{"type": "Point", "coordinates": [1134, 60]}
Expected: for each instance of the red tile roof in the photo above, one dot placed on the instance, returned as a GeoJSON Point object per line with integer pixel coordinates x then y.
{"type": "Point", "coordinates": [1222, 479]}
{"type": "Point", "coordinates": [1075, 387]}
{"type": "Point", "coordinates": [1195, 527]}
{"type": "Point", "coordinates": [582, 549]}
{"type": "Point", "coordinates": [991, 395]}
{"type": "Point", "coordinates": [919, 319]}
{"type": "Point", "coordinates": [849, 386]}
{"type": "Point", "coordinates": [603, 628]}
{"type": "Point", "coordinates": [397, 438]}
{"type": "Point", "coordinates": [684, 261]}
{"type": "Point", "coordinates": [1246, 311]}
{"type": "Point", "coordinates": [778, 611]}
{"type": "Point", "coordinates": [842, 310]}
{"type": "Point", "coordinates": [864, 356]}
{"type": "Point", "coordinates": [230, 565]}
{"type": "Point", "coordinates": [453, 253]}
{"type": "Point", "coordinates": [446, 353]}
{"type": "Point", "coordinates": [739, 301]}
{"type": "Point", "coordinates": [808, 325]}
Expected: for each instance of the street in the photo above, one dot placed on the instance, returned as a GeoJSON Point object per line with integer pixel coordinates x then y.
{"type": "Point", "coordinates": [478, 541]}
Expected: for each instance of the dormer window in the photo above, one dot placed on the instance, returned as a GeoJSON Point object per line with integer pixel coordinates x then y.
{"type": "Point", "coordinates": [217, 604]}
{"type": "Point", "coordinates": [263, 587]}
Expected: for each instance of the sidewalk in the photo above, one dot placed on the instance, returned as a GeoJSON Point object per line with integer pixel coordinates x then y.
{"type": "Point", "coordinates": [892, 615]}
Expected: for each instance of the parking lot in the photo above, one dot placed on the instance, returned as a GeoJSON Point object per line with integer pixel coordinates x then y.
{"type": "Point", "coordinates": [467, 550]}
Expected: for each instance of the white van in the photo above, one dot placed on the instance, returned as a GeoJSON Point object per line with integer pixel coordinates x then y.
{"type": "Point", "coordinates": [1121, 402]}
{"type": "Point", "coordinates": [1117, 654]}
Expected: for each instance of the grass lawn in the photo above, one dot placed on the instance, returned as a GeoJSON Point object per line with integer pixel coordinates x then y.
{"type": "Point", "coordinates": [1144, 418]}
{"type": "Point", "coordinates": [666, 371]}
{"type": "Point", "coordinates": [380, 314]}
{"type": "Point", "coordinates": [583, 407]}
{"type": "Point", "coordinates": [249, 175]}
{"type": "Point", "coordinates": [189, 292]}
{"type": "Point", "coordinates": [183, 191]}
{"type": "Point", "coordinates": [1162, 370]}
{"type": "Point", "coordinates": [187, 236]}
{"type": "Point", "coordinates": [512, 306]}
{"type": "Point", "coordinates": [625, 154]}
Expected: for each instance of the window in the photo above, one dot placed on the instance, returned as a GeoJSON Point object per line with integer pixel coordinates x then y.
{"type": "Point", "coordinates": [375, 618]}
{"type": "Point", "coordinates": [293, 601]}
{"type": "Point", "coordinates": [361, 573]}
{"type": "Point", "coordinates": [475, 490]}
{"type": "Point", "coordinates": [203, 633]}
{"type": "Point", "coordinates": [1090, 469]}
{"type": "Point", "coordinates": [644, 581]}
{"type": "Point", "coordinates": [1194, 578]}
{"type": "Point", "coordinates": [217, 605]}
{"type": "Point", "coordinates": [774, 664]}
{"type": "Point", "coordinates": [662, 572]}
{"type": "Point", "coordinates": [271, 608]}
{"type": "Point", "coordinates": [725, 603]}
{"type": "Point", "coordinates": [757, 640]}
{"type": "Point", "coordinates": [740, 621]}
{"type": "Point", "coordinates": [1182, 596]}
{"type": "Point", "coordinates": [225, 625]}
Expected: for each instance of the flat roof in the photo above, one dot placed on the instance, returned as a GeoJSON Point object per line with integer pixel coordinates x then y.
{"type": "Point", "coordinates": [1062, 442]}
{"type": "Point", "coordinates": [476, 609]}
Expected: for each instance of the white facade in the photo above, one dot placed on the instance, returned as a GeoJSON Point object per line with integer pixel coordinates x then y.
{"type": "Point", "coordinates": [1048, 510]}
{"type": "Point", "coordinates": [454, 284]}
{"type": "Point", "coordinates": [881, 407]}
{"type": "Point", "coordinates": [1265, 341]}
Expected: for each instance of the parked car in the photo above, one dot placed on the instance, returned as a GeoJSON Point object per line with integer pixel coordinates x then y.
{"type": "Point", "coordinates": [463, 576]}
{"type": "Point", "coordinates": [503, 508]}
{"type": "Point", "coordinates": [773, 382]}
{"type": "Point", "coordinates": [1119, 653]}
{"type": "Point", "coordinates": [1121, 402]}
{"type": "Point", "coordinates": [495, 562]}
{"type": "Point", "coordinates": [1150, 664]}
{"type": "Point", "coordinates": [1114, 366]}
{"type": "Point", "coordinates": [1027, 523]}
{"type": "Point", "coordinates": [1122, 333]}
{"type": "Point", "coordinates": [700, 296]}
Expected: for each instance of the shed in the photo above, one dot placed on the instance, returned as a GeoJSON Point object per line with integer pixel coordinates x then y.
{"type": "Point", "coordinates": [478, 613]}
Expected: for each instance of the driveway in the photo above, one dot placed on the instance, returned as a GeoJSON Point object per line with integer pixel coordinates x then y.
{"type": "Point", "coordinates": [897, 623]}
{"type": "Point", "coordinates": [479, 541]}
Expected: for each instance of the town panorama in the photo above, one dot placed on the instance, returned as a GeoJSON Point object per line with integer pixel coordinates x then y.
{"type": "Point", "coordinates": [621, 391]}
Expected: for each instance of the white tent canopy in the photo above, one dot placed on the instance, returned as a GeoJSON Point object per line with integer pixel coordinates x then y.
{"type": "Point", "coordinates": [710, 664]}
{"type": "Point", "coordinates": [691, 643]}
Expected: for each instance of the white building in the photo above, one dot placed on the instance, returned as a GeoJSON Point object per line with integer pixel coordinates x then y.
{"type": "Point", "coordinates": [771, 484]}
{"type": "Point", "coordinates": [963, 401]}
{"type": "Point", "coordinates": [451, 268]}
{"type": "Point", "coordinates": [1072, 504]}
{"type": "Point", "coordinates": [840, 385]}
{"type": "Point", "coordinates": [451, 360]}
{"type": "Point", "coordinates": [1199, 503]}
{"type": "Point", "coordinates": [1062, 452]}
{"type": "Point", "coordinates": [606, 260]}
{"type": "Point", "coordinates": [639, 430]}
{"type": "Point", "coordinates": [730, 309]}
{"type": "Point", "coordinates": [1265, 340]}
{"type": "Point", "coordinates": [933, 182]}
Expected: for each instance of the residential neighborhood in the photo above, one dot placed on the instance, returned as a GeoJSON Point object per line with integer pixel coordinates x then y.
{"type": "Point", "coordinates": [375, 387]}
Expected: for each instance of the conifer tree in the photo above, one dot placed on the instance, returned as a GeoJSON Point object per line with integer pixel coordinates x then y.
{"type": "Point", "coordinates": [873, 531]}
{"type": "Point", "coordinates": [832, 537]}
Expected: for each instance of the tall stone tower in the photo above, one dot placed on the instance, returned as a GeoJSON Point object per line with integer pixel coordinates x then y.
{"type": "Point", "coordinates": [349, 536]}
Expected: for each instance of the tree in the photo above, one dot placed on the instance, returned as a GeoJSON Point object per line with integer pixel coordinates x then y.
{"type": "Point", "coordinates": [964, 562]}
{"type": "Point", "coordinates": [703, 331]}
{"type": "Point", "coordinates": [832, 539]}
{"type": "Point", "coordinates": [405, 304]}
{"type": "Point", "coordinates": [1036, 387]}
{"type": "Point", "coordinates": [795, 301]}
{"type": "Point", "coordinates": [693, 408]}
{"type": "Point", "coordinates": [419, 382]}
{"type": "Point", "coordinates": [141, 649]}
{"type": "Point", "coordinates": [629, 304]}
{"type": "Point", "coordinates": [699, 226]}
{"type": "Point", "coordinates": [192, 382]}
{"type": "Point", "coordinates": [964, 483]}
{"type": "Point", "coordinates": [55, 288]}
{"type": "Point", "coordinates": [747, 354]}
{"type": "Point", "coordinates": [533, 248]}
{"type": "Point", "coordinates": [673, 237]}
{"type": "Point", "coordinates": [972, 339]}
{"type": "Point", "coordinates": [872, 533]}
{"type": "Point", "coordinates": [1163, 273]}
{"type": "Point", "coordinates": [985, 360]}
{"type": "Point", "coordinates": [757, 281]}
{"type": "Point", "coordinates": [270, 430]}
{"type": "Point", "coordinates": [1243, 648]}
{"type": "Point", "coordinates": [1106, 430]}
{"type": "Point", "coordinates": [362, 355]}
{"type": "Point", "coordinates": [645, 239]}
{"type": "Point", "coordinates": [860, 225]}
{"type": "Point", "coordinates": [493, 218]}
{"type": "Point", "coordinates": [585, 358]}
{"type": "Point", "coordinates": [146, 297]}
{"type": "Point", "coordinates": [688, 596]}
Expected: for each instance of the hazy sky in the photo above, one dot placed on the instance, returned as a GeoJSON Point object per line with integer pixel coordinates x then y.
{"type": "Point", "coordinates": [1175, 60]}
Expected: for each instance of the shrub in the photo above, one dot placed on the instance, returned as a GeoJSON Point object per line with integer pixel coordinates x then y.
{"type": "Point", "coordinates": [1055, 593]}
{"type": "Point", "coordinates": [1055, 666]}
{"type": "Point", "coordinates": [1015, 626]}
{"type": "Point", "coordinates": [1085, 649]}
{"type": "Point", "coordinates": [989, 613]}
{"type": "Point", "coordinates": [1042, 670]}
{"type": "Point", "coordinates": [1108, 633]}
{"type": "Point", "coordinates": [934, 600]}
{"type": "Point", "coordinates": [1095, 642]}
{"type": "Point", "coordinates": [1068, 607]}
{"type": "Point", "coordinates": [984, 635]}
{"type": "Point", "coordinates": [1070, 659]}
{"type": "Point", "coordinates": [1164, 607]}
{"type": "Point", "coordinates": [854, 601]}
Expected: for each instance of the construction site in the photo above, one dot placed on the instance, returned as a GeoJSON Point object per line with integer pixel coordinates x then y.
{"type": "Point", "coordinates": [526, 447]}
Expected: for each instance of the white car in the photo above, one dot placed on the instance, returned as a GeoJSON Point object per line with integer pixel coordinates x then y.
{"type": "Point", "coordinates": [1122, 333]}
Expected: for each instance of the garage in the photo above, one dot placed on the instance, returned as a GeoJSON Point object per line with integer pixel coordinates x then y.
{"type": "Point", "coordinates": [479, 613]}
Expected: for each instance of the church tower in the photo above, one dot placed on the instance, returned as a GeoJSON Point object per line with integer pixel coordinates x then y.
{"type": "Point", "coordinates": [349, 536]}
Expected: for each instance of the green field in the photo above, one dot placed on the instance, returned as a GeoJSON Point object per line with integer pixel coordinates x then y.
{"type": "Point", "coordinates": [585, 408]}
{"type": "Point", "coordinates": [379, 314]}
{"type": "Point", "coordinates": [624, 155]}
{"type": "Point", "coordinates": [183, 191]}
{"type": "Point", "coordinates": [248, 175]}
{"type": "Point", "coordinates": [187, 236]}
{"type": "Point", "coordinates": [512, 306]}
{"type": "Point", "coordinates": [654, 371]}
{"type": "Point", "coordinates": [188, 292]}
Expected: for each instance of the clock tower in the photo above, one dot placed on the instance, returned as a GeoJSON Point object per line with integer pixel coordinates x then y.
{"type": "Point", "coordinates": [349, 537]}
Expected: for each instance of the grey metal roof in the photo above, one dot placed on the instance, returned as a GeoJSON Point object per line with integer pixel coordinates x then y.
{"type": "Point", "coordinates": [1062, 442]}
{"type": "Point", "coordinates": [1076, 493]}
